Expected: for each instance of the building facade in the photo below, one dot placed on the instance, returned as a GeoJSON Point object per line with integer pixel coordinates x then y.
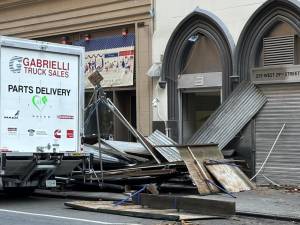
{"type": "Point", "coordinates": [206, 48]}
{"type": "Point", "coordinates": [182, 60]}
{"type": "Point", "coordinates": [106, 26]}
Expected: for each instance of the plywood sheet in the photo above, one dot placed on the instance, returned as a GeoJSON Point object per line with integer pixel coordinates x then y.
{"type": "Point", "coordinates": [194, 157]}
{"type": "Point", "coordinates": [230, 177]}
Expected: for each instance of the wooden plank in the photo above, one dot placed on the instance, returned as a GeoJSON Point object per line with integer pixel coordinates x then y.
{"type": "Point", "coordinates": [194, 157]}
{"type": "Point", "coordinates": [203, 172]}
{"type": "Point", "coordinates": [189, 204]}
{"type": "Point", "coordinates": [135, 211]}
{"type": "Point", "coordinates": [230, 177]}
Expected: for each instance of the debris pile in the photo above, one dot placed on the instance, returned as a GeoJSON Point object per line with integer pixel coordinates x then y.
{"type": "Point", "coordinates": [156, 164]}
{"type": "Point", "coordinates": [181, 168]}
{"type": "Point", "coordinates": [198, 166]}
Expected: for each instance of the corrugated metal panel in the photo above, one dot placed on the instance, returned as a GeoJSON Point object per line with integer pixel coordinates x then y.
{"type": "Point", "coordinates": [279, 50]}
{"type": "Point", "coordinates": [225, 123]}
{"type": "Point", "coordinates": [283, 106]}
{"type": "Point", "coordinates": [105, 157]}
{"type": "Point", "coordinates": [171, 154]}
{"type": "Point", "coordinates": [127, 147]}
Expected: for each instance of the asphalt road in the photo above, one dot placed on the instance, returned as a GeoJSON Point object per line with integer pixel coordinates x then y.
{"type": "Point", "coordinates": [51, 211]}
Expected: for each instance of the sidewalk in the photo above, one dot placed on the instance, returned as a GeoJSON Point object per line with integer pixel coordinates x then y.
{"type": "Point", "coordinates": [264, 202]}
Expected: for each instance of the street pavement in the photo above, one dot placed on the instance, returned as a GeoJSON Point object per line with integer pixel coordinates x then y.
{"type": "Point", "coordinates": [241, 220]}
{"type": "Point", "coordinates": [51, 211]}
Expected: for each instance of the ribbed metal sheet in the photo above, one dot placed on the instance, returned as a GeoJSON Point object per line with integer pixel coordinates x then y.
{"type": "Point", "coordinates": [89, 149]}
{"type": "Point", "coordinates": [279, 50]}
{"type": "Point", "coordinates": [283, 106]}
{"type": "Point", "coordinates": [225, 123]}
{"type": "Point", "coordinates": [127, 147]}
{"type": "Point", "coordinates": [171, 154]}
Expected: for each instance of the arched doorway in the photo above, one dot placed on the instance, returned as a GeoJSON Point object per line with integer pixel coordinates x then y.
{"type": "Point", "coordinates": [197, 66]}
{"type": "Point", "coordinates": [273, 19]}
{"type": "Point", "coordinates": [268, 53]}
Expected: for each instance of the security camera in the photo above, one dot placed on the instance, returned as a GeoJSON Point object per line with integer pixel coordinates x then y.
{"type": "Point", "coordinates": [155, 102]}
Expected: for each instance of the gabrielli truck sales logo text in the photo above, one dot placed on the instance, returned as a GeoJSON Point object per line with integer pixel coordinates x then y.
{"type": "Point", "coordinates": [15, 64]}
{"type": "Point", "coordinates": [41, 67]}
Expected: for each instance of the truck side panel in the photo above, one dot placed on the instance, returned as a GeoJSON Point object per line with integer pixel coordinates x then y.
{"type": "Point", "coordinates": [40, 99]}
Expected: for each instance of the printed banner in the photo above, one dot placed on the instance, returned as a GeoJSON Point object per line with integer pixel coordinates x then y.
{"type": "Point", "coordinates": [115, 65]}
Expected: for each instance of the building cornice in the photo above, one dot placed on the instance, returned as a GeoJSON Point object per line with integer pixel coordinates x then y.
{"type": "Point", "coordinates": [16, 3]}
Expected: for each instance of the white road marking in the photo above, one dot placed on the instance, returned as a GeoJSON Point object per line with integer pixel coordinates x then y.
{"type": "Point", "coordinates": [63, 217]}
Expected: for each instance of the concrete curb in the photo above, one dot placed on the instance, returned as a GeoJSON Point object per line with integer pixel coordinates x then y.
{"type": "Point", "coordinates": [268, 216]}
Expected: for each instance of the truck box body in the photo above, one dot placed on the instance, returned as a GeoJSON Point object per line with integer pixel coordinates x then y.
{"type": "Point", "coordinates": [41, 96]}
{"type": "Point", "coordinates": [41, 109]}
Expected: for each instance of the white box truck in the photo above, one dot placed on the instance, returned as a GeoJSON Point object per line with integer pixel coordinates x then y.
{"type": "Point", "coordinates": [41, 107]}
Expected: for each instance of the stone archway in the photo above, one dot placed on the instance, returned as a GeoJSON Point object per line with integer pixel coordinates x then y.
{"type": "Point", "coordinates": [261, 22]}
{"type": "Point", "coordinates": [198, 22]}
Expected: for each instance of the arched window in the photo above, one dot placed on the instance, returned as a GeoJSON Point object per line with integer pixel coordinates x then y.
{"type": "Point", "coordinates": [275, 18]}
{"type": "Point", "coordinates": [186, 52]}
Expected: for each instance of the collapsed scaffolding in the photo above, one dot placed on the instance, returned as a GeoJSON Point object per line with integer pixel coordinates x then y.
{"type": "Point", "coordinates": [156, 164]}
{"type": "Point", "coordinates": [198, 167]}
